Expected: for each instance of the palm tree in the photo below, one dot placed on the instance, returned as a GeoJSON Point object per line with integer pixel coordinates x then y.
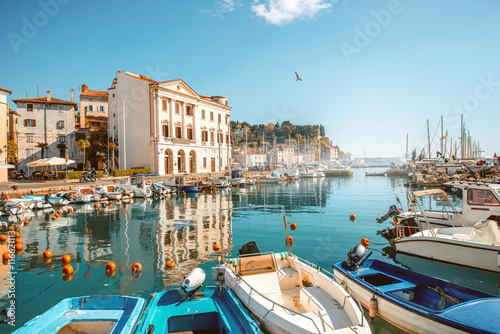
{"type": "Point", "coordinates": [83, 144]}
{"type": "Point", "coordinates": [42, 146]}
{"type": "Point", "coordinates": [113, 147]}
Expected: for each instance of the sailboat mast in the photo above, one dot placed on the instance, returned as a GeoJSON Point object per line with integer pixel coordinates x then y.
{"type": "Point", "coordinates": [428, 139]}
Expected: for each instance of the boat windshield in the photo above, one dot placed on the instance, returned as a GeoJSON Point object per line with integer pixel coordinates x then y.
{"type": "Point", "coordinates": [481, 197]}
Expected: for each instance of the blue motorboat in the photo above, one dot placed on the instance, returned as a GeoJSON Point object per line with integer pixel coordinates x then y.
{"type": "Point", "coordinates": [417, 303]}
{"type": "Point", "coordinates": [217, 310]}
{"type": "Point", "coordinates": [54, 200]}
{"type": "Point", "coordinates": [89, 314]}
{"type": "Point", "coordinates": [189, 189]}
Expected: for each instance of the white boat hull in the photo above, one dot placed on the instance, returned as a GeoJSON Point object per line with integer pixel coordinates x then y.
{"type": "Point", "coordinates": [466, 253]}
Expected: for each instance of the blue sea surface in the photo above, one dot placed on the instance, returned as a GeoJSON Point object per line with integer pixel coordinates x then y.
{"type": "Point", "coordinates": [185, 229]}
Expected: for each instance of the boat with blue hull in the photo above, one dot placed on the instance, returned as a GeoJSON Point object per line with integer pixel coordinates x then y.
{"type": "Point", "coordinates": [217, 310]}
{"type": "Point", "coordinates": [89, 314]}
{"type": "Point", "coordinates": [418, 303]}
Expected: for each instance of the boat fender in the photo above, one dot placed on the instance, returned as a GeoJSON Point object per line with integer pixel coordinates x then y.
{"type": "Point", "coordinates": [373, 308]}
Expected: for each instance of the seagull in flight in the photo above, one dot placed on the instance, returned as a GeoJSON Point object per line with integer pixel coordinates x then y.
{"type": "Point", "coordinates": [298, 78]}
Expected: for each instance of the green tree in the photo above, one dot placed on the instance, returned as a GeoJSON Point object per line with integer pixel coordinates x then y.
{"type": "Point", "coordinates": [98, 150]}
{"type": "Point", "coordinates": [11, 151]}
{"type": "Point", "coordinates": [42, 146]}
{"type": "Point", "coordinates": [83, 144]}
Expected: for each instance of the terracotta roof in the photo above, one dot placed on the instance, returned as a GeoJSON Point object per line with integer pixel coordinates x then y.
{"type": "Point", "coordinates": [13, 112]}
{"type": "Point", "coordinates": [6, 90]}
{"type": "Point", "coordinates": [43, 100]}
{"type": "Point", "coordinates": [96, 93]}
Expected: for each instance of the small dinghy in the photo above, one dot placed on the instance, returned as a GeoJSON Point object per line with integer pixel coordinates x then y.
{"type": "Point", "coordinates": [417, 303]}
{"type": "Point", "coordinates": [89, 314]}
{"type": "Point", "coordinates": [375, 173]}
{"type": "Point", "coordinates": [217, 310]}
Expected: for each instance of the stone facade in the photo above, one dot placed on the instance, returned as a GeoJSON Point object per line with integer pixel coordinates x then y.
{"type": "Point", "coordinates": [45, 120]}
{"type": "Point", "coordinates": [168, 127]}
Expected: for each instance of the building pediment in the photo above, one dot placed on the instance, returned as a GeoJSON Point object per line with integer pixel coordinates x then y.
{"type": "Point", "coordinates": [178, 86]}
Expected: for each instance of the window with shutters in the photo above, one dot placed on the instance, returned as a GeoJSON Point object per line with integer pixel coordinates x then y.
{"type": "Point", "coordinates": [204, 136]}
{"type": "Point", "coordinates": [90, 107]}
{"type": "Point", "coordinates": [221, 138]}
{"type": "Point", "coordinates": [30, 122]}
{"type": "Point", "coordinates": [164, 105]}
{"type": "Point", "coordinates": [227, 119]}
{"type": "Point", "coordinates": [211, 116]}
{"type": "Point", "coordinates": [178, 132]}
{"type": "Point", "coordinates": [203, 114]}
{"type": "Point", "coordinates": [227, 139]}
{"type": "Point", "coordinates": [220, 118]}
{"type": "Point", "coordinates": [212, 136]}
{"type": "Point", "coordinates": [101, 108]}
{"type": "Point", "coordinates": [165, 130]}
{"type": "Point", "coordinates": [177, 108]}
{"type": "Point", "coordinates": [61, 139]}
{"type": "Point", "coordinates": [204, 162]}
{"type": "Point", "coordinates": [189, 111]}
{"type": "Point", "coordinates": [190, 133]}
{"type": "Point", "coordinates": [30, 137]}
{"type": "Point", "coordinates": [60, 125]}
{"type": "Point", "coordinates": [29, 107]}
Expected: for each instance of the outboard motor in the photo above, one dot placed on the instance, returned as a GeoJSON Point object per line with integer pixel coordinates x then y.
{"type": "Point", "coordinates": [193, 281]}
{"type": "Point", "coordinates": [355, 255]}
{"type": "Point", "coordinates": [393, 210]}
{"type": "Point", "coordinates": [249, 248]}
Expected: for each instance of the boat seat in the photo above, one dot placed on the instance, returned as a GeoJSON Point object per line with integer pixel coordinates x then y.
{"type": "Point", "coordinates": [461, 236]}
{"type": "Point", "coordinates": [266, 284]}
{"type": "Point", "coordinates": [287, 277]}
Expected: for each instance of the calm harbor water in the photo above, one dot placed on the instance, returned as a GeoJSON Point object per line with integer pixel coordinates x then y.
{"type": "Point", "coordinates": [184, 229]}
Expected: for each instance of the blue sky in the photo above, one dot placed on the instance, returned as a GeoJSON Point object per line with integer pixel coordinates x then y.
{"type": "Point", "coordinates": [372, 71]}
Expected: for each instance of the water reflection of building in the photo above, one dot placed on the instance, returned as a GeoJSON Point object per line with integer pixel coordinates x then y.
{"type": "Point", "coordinates": [188, 229]}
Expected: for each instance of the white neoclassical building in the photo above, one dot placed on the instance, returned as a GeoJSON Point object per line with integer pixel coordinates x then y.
{"type": "Point", "coordinates": [167, 126]}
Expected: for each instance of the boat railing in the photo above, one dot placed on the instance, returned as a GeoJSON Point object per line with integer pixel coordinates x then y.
{"type": "Point", "coordinates": [271, 301]}
{"type": "Point", "coordinates": [337, 280]}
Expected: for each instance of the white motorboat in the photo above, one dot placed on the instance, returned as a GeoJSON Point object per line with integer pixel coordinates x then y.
{"type": "Point", "coordinates": [306, 173]}
{"type": "Point", "coordinates": [479, 201]}
{"type": "Point", "coordinates": [75, 196]}
{"type": "Point", "coordinates": [221, 182]}
{"type": "Point", "coordinates": [288, 294]}
{"type": "Point", "coordinates": [108, 191]}
{"type": "Point", "coordinates": [52, 200]}
{"type": "Point", "coordinates": [134, 185]}
{"type": "Point", "coordinates": [376, 173]}
{"type": "Point", "coordinates": [269, 178]}
{"type": "Point", "coordinates": [475, 247]}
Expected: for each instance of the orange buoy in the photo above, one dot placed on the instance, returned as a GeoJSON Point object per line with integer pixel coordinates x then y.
{"type": "Point", "coordinates": [67, 270]}
{"type": "Point", "coordinates": [136, 267]}
{"type": "Point", "coordinates": [3, 237]}
{"type": "Point", "coordinates": [6, 255]}
{"type": "Point", "coordinates": [11, 228]}
{"type": "Point", "coordinates": [289, 241]}
{"type": "Point", "coordinates": [66, 259]}
{"type": "Point", "coordinates": [293, 226]}
{"type": "Point", "coordinates": [117, 200]}
{"type": "Point", "coordinates": [70, 209]}
{"type": "Point", "coordinates": [145, 198]}
{"type": "Point", "coordinates": [26, 222]}
{"type": "Point", "coordinates": [17, 235]}
{"type": "Point", "coordinates": [353, 218]}
{"type": "Point", "coordinates": [100, 209]}
{"type": "Point", "coordinates": [47, 254]}
{"type": "Point", "coordinates": [110, 202]}
{"type": "Point", "coordinates": [54, 217]}
{"type": "Point", "coordinates": [7, 197]}
{"type": "Point", "coordinates": [19, 246]}
{"type": "Point", "coordinates": [203, 191]}
{"type": "Point", "coordinates": [19, 241]}
{"type": "Point", "coordinates": [216, 248]}
{"type": "Point", "coordinates": [365, 242]}
{"type": "Point", "coordinates": [170, 264]}
{"type": "Point", "coordinates": [59, 212]}
{"type": "Point", "coordinates": [110, 266]}
{"type": "Point", "coordinates": [67, 278]}
{"type": "Point", "coordinates": [96, 205]}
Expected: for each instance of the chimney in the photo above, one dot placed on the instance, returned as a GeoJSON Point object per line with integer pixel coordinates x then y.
{"type": "Point", "coordinates": [72, 95]}
{"type": "Point", "coordinates": [49, 97]}
{"type": "Point", "coordinates": [84, 88]}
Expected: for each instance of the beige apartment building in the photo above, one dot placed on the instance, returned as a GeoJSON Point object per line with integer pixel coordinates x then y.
{"type": "Point", "coordinates": [93, 108]}
{"type": "Point", "coordinates": [46, 120]}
